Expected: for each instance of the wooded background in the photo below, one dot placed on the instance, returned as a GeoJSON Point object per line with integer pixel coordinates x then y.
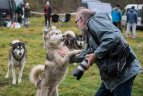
{"type": "Point", "coordinates": [67, 6]}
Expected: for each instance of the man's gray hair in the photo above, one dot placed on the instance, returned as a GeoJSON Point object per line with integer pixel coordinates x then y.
{"type": "Point", "coordinates": [84, 13]}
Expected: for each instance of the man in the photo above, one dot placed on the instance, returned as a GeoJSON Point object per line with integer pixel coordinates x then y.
{"type": "Point", "coordinates": [47, 12]}
{"type": "Point", "coordinates": [27, 14]}
{"type": "Point", "coordinates": [19, 13]}
{"type": "Point", "coordinates": [103, 38]}
{"type": "Point", "coordinates": [131, 21]}
{"type": "Point", "coordinates": [116, 16]}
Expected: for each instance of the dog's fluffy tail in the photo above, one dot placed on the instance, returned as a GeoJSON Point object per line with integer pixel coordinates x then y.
{"type": "Point", "coordinates": [36, 72]}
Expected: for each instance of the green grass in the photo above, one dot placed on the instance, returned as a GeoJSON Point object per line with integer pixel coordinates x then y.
{"type": "Point", "coordinates": [88, 84]}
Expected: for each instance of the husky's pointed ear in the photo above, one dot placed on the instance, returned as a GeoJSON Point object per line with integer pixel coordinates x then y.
{"type": "Point", "coordinates": [47, 36]}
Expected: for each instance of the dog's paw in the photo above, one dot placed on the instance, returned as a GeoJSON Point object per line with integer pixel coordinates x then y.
{"type": "Point", "coordinates": [77, 51]}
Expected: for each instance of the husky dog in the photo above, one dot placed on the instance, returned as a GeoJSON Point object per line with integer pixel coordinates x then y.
{"type": "Point", "coordinates": [17, 58]}
{"type": "Point", "coordinates": [45, 31]}
{"type": "Point", "coordinates": [55, 66]}
{"type": "Point", "coordinates": [73, 41]}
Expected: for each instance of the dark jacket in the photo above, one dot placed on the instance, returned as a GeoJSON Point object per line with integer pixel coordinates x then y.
{"type": "Point", "coordinates": [27, 12]}
{"type": "Point", "coordinates": [19, 10]}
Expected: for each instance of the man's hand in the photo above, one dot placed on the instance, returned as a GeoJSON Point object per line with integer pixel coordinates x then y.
{"type": "Point", "coordinates": [91, 58]}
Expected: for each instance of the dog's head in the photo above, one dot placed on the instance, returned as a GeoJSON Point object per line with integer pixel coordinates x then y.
{"type": "Point", "coordinates": [80, 40]}
{"type": "Point", "coordinates": [54, 38]}
{"type": "Point", "coordinates": [18, 48]}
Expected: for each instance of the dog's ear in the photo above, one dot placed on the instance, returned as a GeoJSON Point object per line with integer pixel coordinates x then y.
{"type": "Point", "coordinates": [48, 35]}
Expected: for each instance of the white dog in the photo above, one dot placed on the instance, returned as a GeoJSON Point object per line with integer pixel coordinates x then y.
{"type": "Point", "coordinates": [17, 57]}
{"type": "Point", "coordinates": [55, 66]}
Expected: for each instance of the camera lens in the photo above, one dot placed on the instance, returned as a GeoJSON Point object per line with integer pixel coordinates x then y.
{"type": "Point", "coordinates": [83, 66]}
{"type": "Point", "coordinates": [78, 72]}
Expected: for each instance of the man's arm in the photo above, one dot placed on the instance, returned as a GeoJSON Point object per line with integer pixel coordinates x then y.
{"type": "Point", "coordinates": [136, 18]}
{"type": "Point", "coordinates": [106, 33]}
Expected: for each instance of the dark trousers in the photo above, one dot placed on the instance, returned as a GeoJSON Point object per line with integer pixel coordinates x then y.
{"type": "Point", "coordinates": [47, 18]}
{"type": "Point", "coordinates": [19, 19]}
{"type": "Point", "coordinates": [124, 89]}
{"type": "Point", "coordinates": [118, 25]}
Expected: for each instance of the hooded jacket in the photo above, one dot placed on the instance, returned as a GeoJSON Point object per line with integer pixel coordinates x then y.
{"type": "Point", "coordinates": [132, 16]}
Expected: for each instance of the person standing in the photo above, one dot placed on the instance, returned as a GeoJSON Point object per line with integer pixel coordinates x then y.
{"type": "Point", "coordinates": [117, 16]}
{"type": "Point", "coordinates": [47, 13]}
{"type": "Point", "coordinates": [104, 39]}
{"type": "Point", "coordinates": [27, 14]}
{"type": "Point", "coordinates": [19, 13]}
{"type": "Point", "coordinates": [131, 21]}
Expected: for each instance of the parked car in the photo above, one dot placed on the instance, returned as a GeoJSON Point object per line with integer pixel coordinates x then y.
{"type": "Point", "coordinates": [7, 11]}
{"type": "Point", "coordinates": [139, 9]}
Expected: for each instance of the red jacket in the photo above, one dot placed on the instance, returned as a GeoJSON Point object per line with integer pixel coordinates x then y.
{"type": "Point", "coordinates": [47, 10]}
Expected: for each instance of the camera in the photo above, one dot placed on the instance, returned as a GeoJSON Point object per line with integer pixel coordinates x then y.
{"type": "Point", "coordinates": [78, 72]}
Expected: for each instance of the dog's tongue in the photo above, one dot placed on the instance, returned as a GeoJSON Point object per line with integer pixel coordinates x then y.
{"type": "Point", "coordinates": [63, 51]}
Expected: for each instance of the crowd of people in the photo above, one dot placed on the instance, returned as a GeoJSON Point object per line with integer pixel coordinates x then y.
{"type": "Point", "coordinates": [23, 14]}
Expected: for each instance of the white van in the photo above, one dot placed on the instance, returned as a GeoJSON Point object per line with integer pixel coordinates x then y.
{"type": "Point", "coordinates": [139, 8]}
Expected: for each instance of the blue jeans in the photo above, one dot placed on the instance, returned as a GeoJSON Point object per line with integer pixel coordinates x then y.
{"type": "Point", "coordinates": [124, 89]}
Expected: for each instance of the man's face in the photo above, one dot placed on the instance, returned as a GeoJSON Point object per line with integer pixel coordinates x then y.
{"type": "Point", "coordinates": [81, 24]}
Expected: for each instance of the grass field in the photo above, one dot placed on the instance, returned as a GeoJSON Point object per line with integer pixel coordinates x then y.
{"type": "Point", "coordinates": [88, 84]}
